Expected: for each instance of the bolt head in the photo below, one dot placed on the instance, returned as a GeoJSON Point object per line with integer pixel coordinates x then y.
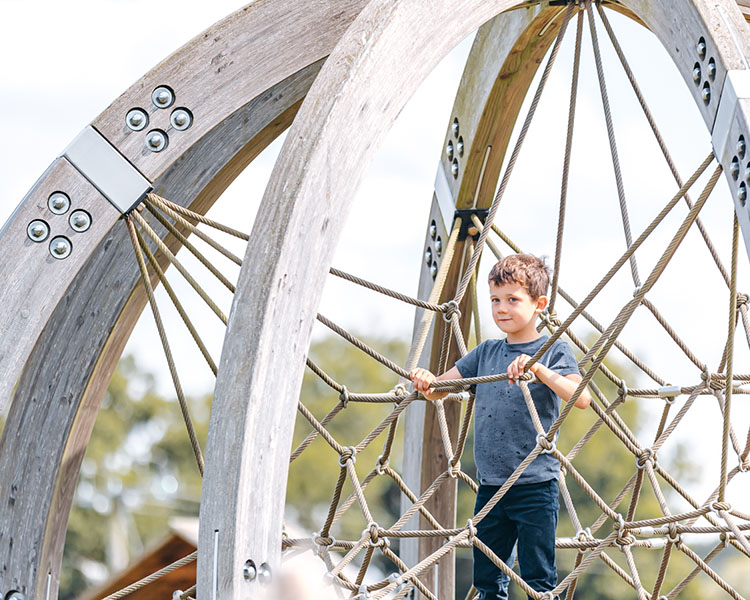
{"type": "Point", "coordinates": [60, 247]}
{"type": "Point", "coordinates": [156, 140]}
{"type": "Point", "coordinates": [454, 127]}
{"type": "Point", "coordinates": [37, 230]}
{"type": "Point", "coordinates": [249, 572]}
{"type": "Point", "coordinates": [58, 203]}
{"type": "Point", "coordinates": [454, 168]}
{"type": "Point", "coordinates": [176, 594]}
{"type": "Point", "coordinates": [136, 119]}
{"type": "Point", "coordinates": [706, 93]}
{"type": "Point", "coordinates": [460, 146]}
{"type": "Point", "coordinates": [734, 168]}
{"type": "Point", "coordinates": [439, 246]}
{"type": "Point", "coordinates": [433, 230]}
{"type": "Point", "coordinates": [181, 119]}
{"type": "Point", "coordinates": [428, 256]}
{"type": "Point", "coordinates": [162, 97]}
{"type": "Point", "coordinates": [747, 172]}
{"type": "Point", "coordinates": [742, 193]}
{"type": "Point", "coordinates": [697, 73]}
{"type": "Point", "coordinates": [701, 48]}
{"type": "Point", "coordinates": [264, 574]}
{"type": "Point", "coordinates": [711, 69]}
{"type": "Point", "coordinates": [449, 150]}
{"type": "Point", "coordinates": [741, 147]}
{"type": "Point", "coordinates": [15, 596]}
{"type": "Point", "coordinates": [80, 221]}
{"type": "Point", "coordinates": [434, 270]}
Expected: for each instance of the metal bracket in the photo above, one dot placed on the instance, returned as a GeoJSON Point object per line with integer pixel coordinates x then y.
{"type": "Point", "coordinates": [736, 88]}
{"type": "Point", "coordinates": [107, 170]}
{"type": "Point", "coordinates": [467, 223]}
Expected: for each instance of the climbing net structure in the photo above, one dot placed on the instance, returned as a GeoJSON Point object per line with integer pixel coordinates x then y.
{"type": "Point", "coordinates": [673, 521]}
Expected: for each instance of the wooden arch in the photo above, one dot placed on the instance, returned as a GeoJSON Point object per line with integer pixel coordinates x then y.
{"type": "Point", "coordinates": [61, 341]}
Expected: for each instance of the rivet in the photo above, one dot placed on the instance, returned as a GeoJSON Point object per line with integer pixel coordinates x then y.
{"type": "Point", "coordinates": [701, 48]}
{"type": "Point", "coordinates": [741, 147]}
{"type": "Point", "coordinates": [249, 572]}
{"type": "Point", "coordinates": [80, 220]}
{"type": "Point", "coordinates": [434, 270]}
{"type": "Point", "coordinates": [433, 229]}
{"type": "Point", "coordinates": [460, 146]}
{"type": "Point", "coordinates": [706, 93]}
{"type": "Point", "coordinates": [454, 168]}
{"type": "Point", "coordinates": [454, 127]}
{"type": "Point", "coordinates": [449, 150]}
{"type": "Point", "coordinates": [428, 256]}
{"type": "Point", "coordinates": [711, 69]}
{"type": "Point", "coordinates": [58, 203]}
{"type": "Point", "coordinates": [734, 168]}
{"type": "Point", "coordinates": [162, 97]}
{"type": "Point", "coordinates": [742, 193]}
{"type": "Point", "coordinates": [136, 119]}
{"type": "Point", "coordinates": [264, 574]}
{"type": "Point", "coordinates": [38, 230]}
{"type": "Point", "coordinates": [439, 246]}
{"type": "Point", "coordinates": [60, 247]}
{"type": "Point", "coordinates": [697, 73]}
{"type": "Point", "coordinates": [156, 140]}
{"type": "Point", "coordinates": [181, 119]}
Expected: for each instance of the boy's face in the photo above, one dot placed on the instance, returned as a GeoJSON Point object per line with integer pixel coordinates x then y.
{"type": "Point", "coordinates": [515, 311]}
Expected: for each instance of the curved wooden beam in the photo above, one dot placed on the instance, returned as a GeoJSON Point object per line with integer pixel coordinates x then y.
{"type": "Point", "coordinates": [67, 321]}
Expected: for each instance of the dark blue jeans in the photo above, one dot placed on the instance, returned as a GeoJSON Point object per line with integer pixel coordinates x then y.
{"type": "Point", "coordinates": [527, 514]}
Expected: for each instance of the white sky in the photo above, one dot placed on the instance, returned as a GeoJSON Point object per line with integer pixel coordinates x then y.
{"type": "Point", "coordinates": [63, 63]}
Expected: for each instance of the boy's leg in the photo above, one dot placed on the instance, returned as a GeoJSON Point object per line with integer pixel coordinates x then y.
{"type": "Point", "coordinates": [499, 533]}
{"type": "Point", "coordinates": [534, 509]}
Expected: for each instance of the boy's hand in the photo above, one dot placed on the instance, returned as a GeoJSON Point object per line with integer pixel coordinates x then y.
{"type": "Point", "coordinates": [422, 379]}
{"type": "Point", "coordinates": [516, 368]}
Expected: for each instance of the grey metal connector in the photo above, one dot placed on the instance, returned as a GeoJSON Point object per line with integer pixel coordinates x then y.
{"type": "Point", "coordinates": [107, 170]}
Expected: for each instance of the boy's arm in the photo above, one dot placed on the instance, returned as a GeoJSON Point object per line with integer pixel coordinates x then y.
{"type": "Point", "coordinates": [562, 385]}
{"type": "Point", "coordinates": [423, 379]}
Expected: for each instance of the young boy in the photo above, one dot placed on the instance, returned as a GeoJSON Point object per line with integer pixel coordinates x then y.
{"type": "Point", "coordinates": [504, 433]}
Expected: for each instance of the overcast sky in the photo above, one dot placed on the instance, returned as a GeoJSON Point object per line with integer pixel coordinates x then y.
{"type": "Point", "coordinates": [64, 62]}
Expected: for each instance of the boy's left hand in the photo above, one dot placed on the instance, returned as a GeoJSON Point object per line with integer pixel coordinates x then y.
{"type": "Point", "coordinates": [516, 368]}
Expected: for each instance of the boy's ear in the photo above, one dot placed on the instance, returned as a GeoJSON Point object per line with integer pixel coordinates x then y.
{"type": "Point", "coordinates": [541, 303]}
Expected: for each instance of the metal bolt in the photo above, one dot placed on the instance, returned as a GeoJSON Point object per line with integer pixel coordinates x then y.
{"type": "Point", "coordinates": [59, 203]}
{"type": "Point", "coordinates": [14, 595]}
{"type": "Point", "coordinates": [80, 220]}
{"type": "Point", "coordinates": [454, 168]}
{"type": "Point", "coordinates": [433, 229]}
{"type": "Point", "coordinates": [742, 194]}
{"type": "Point", "coordinates": [162, 97]}
{"type": "Point", "coordinates": [249, 572]}
{"type": "Point", "coordinates": [439, 246]}
{"type": "Point", "coordinates": [706, 93]}
{"type": "Point", "coordinates": [428, 256]}
{"type": "Point", "coordinates": [747, 172]}
{"type": "Point", "coordinates": [697, 73]}
{"type": "Point", "coordinates": [701, 48]}
{"type": "Point", "coordinates": [181, 119]}
{"type": "Point", "coordinates": [136, 119]}
{"type": "Point", "coordinates": [176, 595]}
{"type": "Point", "coordinates": [156, 140]}
{"type": "Point", "coordinates": [460, 146]}
{"type": "Point", "coordinates": [60, 247]}
{"type": "Point", "coordinates": [264, 574]}
{"type": "Point", "coordinates": [454, 127]}
{"type": "Point", "coordinates": [37, 230]}
{"type": "Point", "coordinates": [734, 168]}
{"type": "Point", "coordinates": [741, 147]}
{"type": "Point", "coordinates": [434, 270]}
{"type": "Point", "coordinates": [449, 150]}
{"type": "Point", "coordinates": [712, 69]}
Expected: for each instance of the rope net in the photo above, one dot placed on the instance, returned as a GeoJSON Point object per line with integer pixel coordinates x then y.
{"type": "Point", "coordinates": [622, 536]}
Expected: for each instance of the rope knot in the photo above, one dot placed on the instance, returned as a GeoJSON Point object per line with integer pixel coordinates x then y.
{"type": "Point", "coordinates": [622, 392]}
{"type": "Point", "coordinates": [674, 537]}
{"type": "Point", "coordinates": [381, 464]}
{"type": "Point", "coordinates": [741, 299]}
{"type": "Point", "coordinates": [375, 541]}
{"type": "Point", "coordinates": [399, 390]}
{"type": "Point", "coordinates": [454, 470]}
{"type": "Point", "coordinates": [717, 506]}
{"type": "Point", "coordinates": [547, 446]}
{"type": "Point", "coordinates": [344, 396]}
{"type": "Point", "coordinates": [647, 456]}
{"type": "Point", "coordinates": [349, 453]}
{"type": "Point", "coordinates": [548, 595]}
{"type": "Point", "coordinates": [363, 593]}
{"type": "Point", "coordinates": [472, 530]}
{"type": "Point", "coordinates": [744, 465]}
{"type": "Point", "coordinates": [584, 535]}
{"type": "Point", "coordinates": [724, 539]}
{"type": "Point", "coordinates": [321, 542]}
{"type": "Point", "coordinates": [451, 308]}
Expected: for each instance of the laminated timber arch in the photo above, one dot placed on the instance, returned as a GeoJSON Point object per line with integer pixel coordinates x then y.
{"type": "Point", "coordinates": [62, 341]}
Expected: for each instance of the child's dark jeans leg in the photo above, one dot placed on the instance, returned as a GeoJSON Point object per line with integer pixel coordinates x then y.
{"type": "Point", "coordinates": [527, 513]}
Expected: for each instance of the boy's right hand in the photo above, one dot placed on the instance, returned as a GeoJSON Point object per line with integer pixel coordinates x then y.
{"type": "Point", "coordinates": [422, 379]}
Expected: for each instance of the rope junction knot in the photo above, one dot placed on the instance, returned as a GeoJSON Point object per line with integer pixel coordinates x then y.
{"type": "Point", "coordinates": [742, 300]}
{"type": "Point", "coordinates": [622, 392]}
{"type": "Point", "coordinates": [381, 464]}
{"type": "Point", "coordinates": [744, 465]}
{"type": "Point", "coordinates": [451, 308]}
{"type": "Point", "coordinates": [718, 506]}
{"type": "Point", "coordinates": [363, 593]}
{"type": "Point", "coordinates": [648, 455]}
{"type": "Point", "coordinates": [320, 543]}
{"type": "Point", "coordinates": [454, 470]}
{"type": "Point", "coordinates": [349, 453]}
{"type": "Point", "coordinates": [584, 535]}
{"type": "Point", "coordinates": [472, 530]}
{"type": "Point", "coordinates": [400, 390]}
{"type": "Point", "coordinates": [669, 393]}
{"type": "Point", "coordinates": [344, 396]}
{"type": "Point", "coordinates": [548, 595]}
{"type": "Point", "coordinates": [547, 446]}
{"type": "Point", "coordinates": [673, 536]}
{"type": "Point", "coordinates": [375, 541]}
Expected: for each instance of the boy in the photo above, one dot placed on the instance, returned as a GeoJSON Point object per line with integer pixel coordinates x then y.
{"type": "Point", "coordinates": [504, 433]}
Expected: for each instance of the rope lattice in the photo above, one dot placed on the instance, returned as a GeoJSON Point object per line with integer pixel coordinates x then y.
{"type": "Point", "coordinates": [616, 527]}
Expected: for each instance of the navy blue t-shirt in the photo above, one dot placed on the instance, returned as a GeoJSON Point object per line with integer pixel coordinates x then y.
{"type": "Point", "coordinates": [503, 431]}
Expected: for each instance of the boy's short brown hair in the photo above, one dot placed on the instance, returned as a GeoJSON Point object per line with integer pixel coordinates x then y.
{"type": "Point", "coordinates": [524, 269]}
